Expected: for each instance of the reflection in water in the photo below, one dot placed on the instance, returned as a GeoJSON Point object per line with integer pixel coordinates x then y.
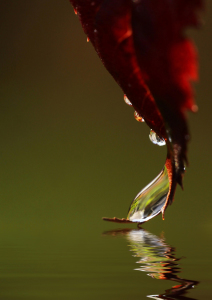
{"type": "Point", "coordinates": [158, 260]}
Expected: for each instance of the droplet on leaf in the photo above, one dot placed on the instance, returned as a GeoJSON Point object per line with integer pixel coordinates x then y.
{"type": "Point", "coordinates": [155, 139]}
{"type": "Point", "coordinates": [75, 11]}
{"type": "Point", "coordinates": [88, 40]}
{"type": "Point", "coordinates": [138, 117]}
{"type": "Point", "coordinates": [150, 201]}
{"type": "Point", "coordinates": [127, 101]}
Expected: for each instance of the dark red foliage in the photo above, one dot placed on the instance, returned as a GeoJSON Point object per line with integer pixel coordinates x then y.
{"type": "Point", "coordinates": [143, 46]}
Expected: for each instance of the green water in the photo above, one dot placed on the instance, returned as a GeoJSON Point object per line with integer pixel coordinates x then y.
{"type": "Point", "coordinates": [89, 262]}
{"type": "Point", "coordinates": [72, 153]}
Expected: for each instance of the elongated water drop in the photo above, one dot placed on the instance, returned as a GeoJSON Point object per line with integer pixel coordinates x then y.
{"type": "Point", "coordinates": [150, 201]}
{"type": "Point", "coordinates": [155, 139]}
{"type": "Point", "coordinates": [75, 11]}
{"type": "Point", "coordinates": [138, 117]}
{"type": "Point", "coordinates": [127, 101]}
{"type": "Point", "coordinates": [88, 40]}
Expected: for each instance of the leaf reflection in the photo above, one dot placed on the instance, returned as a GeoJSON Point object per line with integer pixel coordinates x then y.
{"type": "Point", "coordinates": [157, 259]}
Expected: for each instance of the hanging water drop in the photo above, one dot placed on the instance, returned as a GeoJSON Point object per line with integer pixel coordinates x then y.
{"type": "Point", "coordinates": [155, 139]}
{"type": "Point", "coordinates": [138, 117]}
{"type": "Point", "coordinates": [127, 101]}
{"type": "Point", "coordinates": [150, 201]}
{"type": "Point", "coordinates": [75, 11]}
{"type": "Point", "coordinates": [88, 40]}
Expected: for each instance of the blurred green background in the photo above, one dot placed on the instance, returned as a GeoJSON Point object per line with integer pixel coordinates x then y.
{"type": "Point", "coordinates": [71, 151]}
{"type": "Point", "coordinates": [70, 147]}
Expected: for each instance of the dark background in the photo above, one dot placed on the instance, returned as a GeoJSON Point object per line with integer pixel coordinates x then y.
{"type": "Point", "coordinates": [70, 147]}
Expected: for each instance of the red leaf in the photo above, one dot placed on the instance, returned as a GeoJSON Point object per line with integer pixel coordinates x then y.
{"type": "Point", "coordinates": [143, 45]}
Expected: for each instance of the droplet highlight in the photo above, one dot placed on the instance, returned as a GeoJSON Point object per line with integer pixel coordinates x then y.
{"type": "Point", "coordinates": [75, 11]}
{"type": "Point", "coordinates": [150, 201]}
{"type": "Point", "coordinates": [88, 40]}
{"type": "Point", "coordinates": [155, 139]}
{"type": "Point", "coordinates": [138, 117]}
{"type": "Point", "coordinates": [127, 101]}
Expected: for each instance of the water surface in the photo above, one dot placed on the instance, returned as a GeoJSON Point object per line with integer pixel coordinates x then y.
{"type": "Point", "coordinates": [53, 261]}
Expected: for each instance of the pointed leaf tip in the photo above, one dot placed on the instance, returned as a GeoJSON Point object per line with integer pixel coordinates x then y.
{"type": "Point", "coordinates": [144, 47]}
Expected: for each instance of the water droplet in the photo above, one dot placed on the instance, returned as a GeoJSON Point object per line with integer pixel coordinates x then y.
{"type": "Point", "coordinates": [75, 11]}
{"type": "Point", "coordinates": [127, 101]}
{"type": "Point", "coordinates": [150, 201]}
{"type": "Point", "coordinates": [88, 40]}
{"type": "Point", "coordinates": [155, 139]}
{"type": "Point", "coordinates": [194, 108]}
{"type": "Point", "coordinates": [138, 117]}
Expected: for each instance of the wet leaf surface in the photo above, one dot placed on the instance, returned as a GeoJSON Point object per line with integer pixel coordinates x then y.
{"type": "Point", "coordinates": [142, 43]}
